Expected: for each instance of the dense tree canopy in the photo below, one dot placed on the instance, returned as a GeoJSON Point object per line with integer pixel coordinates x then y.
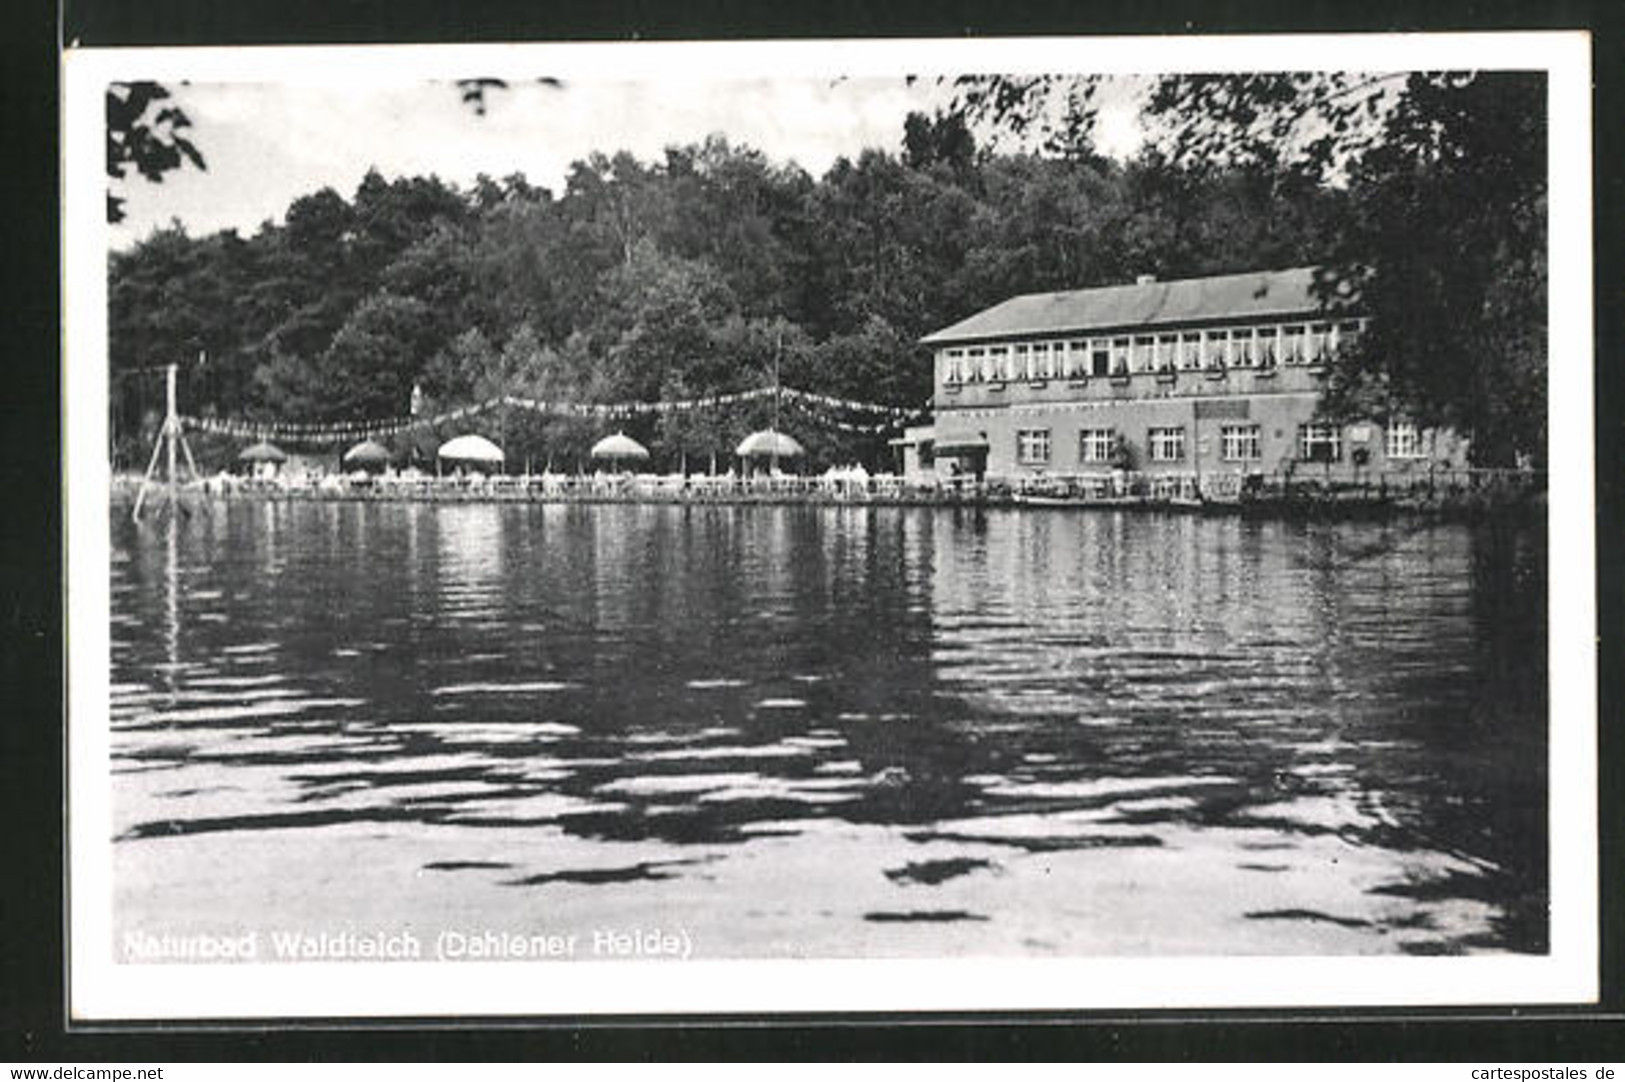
{"type": "Point", "coordinates": [1438, 186]}
{"type": "Point", "coordinates": [697, 272]}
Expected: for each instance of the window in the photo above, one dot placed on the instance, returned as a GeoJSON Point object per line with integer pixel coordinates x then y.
{"type": "Point", "coordinates": [1032, 446]}
{"type": "Point", "coordinates": [1096, 445]}
{"type": "Point", "coordinates": [1240, 443]}
{"type": "Point", "coordinates": [1292, 345]}
{"type": "Point", "coordinates": [1167, 444]}
{"type": "Point", "coordinates": [1269, 339]}
{"type": "Point", "coordinates": [1348, 335]}
{"type": "Point", "coordinates": [1077, 357]}
{"type": "Point", "coordinates": [1041, 367]}
{"type": "Point", "coordinates": [1319, 342]}
{"type": "Point", "coordinates": [1120, 356]}
{"type": "Point", "coordinates": [1190, 350]}
{"type": "Point", "coordinates": [1100, 359]}
{"type": "Point", "coordinates": [955, 366]}
{"type": "Point", "coordinates": [1320, 443]}
{"type": "Point", "coordinates": [1167, 352]}
{"type": "Point", "coordinates": [1404, 441]}
{"type": "Point", "coordinates": [1217, 342]}
{"type": "Point", "coordinates": [1000, 358]}
{"type": "Point", "coordinates": [1145, 359]}
{"type": "Point", "coordinates": [1023, 362]}
{"type": "Point", "coordinates": [1241, 348]}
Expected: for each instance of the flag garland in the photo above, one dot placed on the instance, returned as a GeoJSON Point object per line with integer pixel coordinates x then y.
{"type": "Point", "coordinates": [816, 406]}
{"type": "Point", "coordinates": [894, 419]}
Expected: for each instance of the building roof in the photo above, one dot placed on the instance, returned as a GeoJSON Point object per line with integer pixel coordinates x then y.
{"type": "Point", "coordinates": [1141, 304]}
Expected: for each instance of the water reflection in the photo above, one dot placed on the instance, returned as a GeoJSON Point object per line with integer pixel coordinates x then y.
{"type": "Point", "coordinates": [837, 731]}
{"type": "Point", "coordinates": [172, 604]}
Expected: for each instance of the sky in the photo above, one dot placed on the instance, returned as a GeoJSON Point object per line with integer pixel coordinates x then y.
{"type": "Point", "coordinates": [267, 143]}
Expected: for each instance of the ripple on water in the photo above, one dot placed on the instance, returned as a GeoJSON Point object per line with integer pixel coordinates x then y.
{"type": "Point", "coordinates": [815, 741]}
{"type": "Point", "coordinates": [1101, 787]}
{"type": "Point", "coordinates": [1015, 717]}
{"type": "Point", "coordinates": [249, 648]}
{"type": "Point", "coordinates": [720, 751]}
{"type": "Point", "coordinates": [485, 730]}
{"type": "Point", "coordinates": [498, 688]}
{"type": "Point", "coordinates": [799, 790]}
{"type": "Point", "coordinates": [236, 681]}
{"type": "Point", "coordinates": [238, 710]}
{"type": "Point", "coordinates": [676, 784]}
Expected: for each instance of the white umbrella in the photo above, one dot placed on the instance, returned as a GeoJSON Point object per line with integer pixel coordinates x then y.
{"type": "Point", "coordinates": [367, 453]}
{"type": "Point", "coordinates": [262, 452]}
{"type": "Point", "coordinates": [619, 445]}
{"type": "Point", "coordinates": [471, 449]}
{"type": "Point", "coordinates": [768, 443]}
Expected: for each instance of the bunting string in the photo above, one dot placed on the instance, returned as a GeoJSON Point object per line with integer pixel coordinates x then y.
{"type": "Point", "coordinates": [816, 406]}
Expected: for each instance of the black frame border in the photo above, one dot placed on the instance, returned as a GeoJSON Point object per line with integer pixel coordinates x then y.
{"type": "Point", "coordinates": [32, 959]}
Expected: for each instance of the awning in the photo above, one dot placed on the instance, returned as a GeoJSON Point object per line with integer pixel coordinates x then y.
{"type": "Point", "coordinates": [914, 436]}
{"type": "Point", "coordinates": [954, 446]}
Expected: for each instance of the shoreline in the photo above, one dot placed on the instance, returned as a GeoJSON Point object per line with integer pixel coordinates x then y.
{"type": "Point", "coordinates": [1461, 494]}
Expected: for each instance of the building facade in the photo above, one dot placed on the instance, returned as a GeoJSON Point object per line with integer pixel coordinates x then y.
{"type": "Point", "coordinates": [1204, 376]}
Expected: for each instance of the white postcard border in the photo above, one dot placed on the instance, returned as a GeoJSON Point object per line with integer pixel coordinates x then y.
{"type": "Point", "coordinates": [100, 989]}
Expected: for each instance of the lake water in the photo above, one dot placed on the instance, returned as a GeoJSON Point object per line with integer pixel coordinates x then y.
{"type": "Point", "coordinates": [831, 732]}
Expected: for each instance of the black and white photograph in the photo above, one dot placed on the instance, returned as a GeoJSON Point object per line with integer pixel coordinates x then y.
{"type": "Point", "coordinates": [817, 526]}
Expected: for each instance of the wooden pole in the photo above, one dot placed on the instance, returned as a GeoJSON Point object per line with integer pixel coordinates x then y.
{"type": "Point", "coordinates": [167, 438]}
{"type": "Point", "coordinates": [169, 433]}
{"type": "Point", "coordinates": [146, 478]}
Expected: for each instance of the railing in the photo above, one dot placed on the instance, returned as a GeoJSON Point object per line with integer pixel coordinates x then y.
{"type": "Point", "coordinates": [1421, 486]}
{"type": "Point", "coordinates": [1303, 486]}
{"type": "Point", "coordinates": [593, 488]}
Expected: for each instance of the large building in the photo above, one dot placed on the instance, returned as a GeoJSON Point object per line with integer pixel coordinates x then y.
{"type": "Point", "coordinates": [1206, 376]}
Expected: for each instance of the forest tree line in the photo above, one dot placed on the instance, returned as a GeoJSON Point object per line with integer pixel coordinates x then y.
{"type": "Point", "coordinates": [701, 271]}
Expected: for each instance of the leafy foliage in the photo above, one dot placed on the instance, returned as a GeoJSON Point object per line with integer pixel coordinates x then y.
{"type": "Point", "coordinates": [1447, 243]}
{"type": "Point", "coordinates": [1426, 199]}
{"type": "Point", "coordinates": [146, 134]}
{"type": "Point", "coordinates": [692, 274]}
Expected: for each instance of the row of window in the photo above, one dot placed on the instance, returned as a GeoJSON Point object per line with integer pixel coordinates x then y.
{"type": "Point", "coordinates": [1237, 443]}
{"type": "Point", "coordinates": [1075, 358]}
